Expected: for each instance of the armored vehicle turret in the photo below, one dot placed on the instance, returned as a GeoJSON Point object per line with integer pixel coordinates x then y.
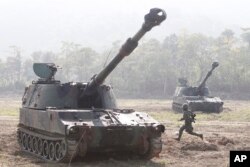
{"type": "Point", "coordinates": [198, 98]}
{"type": "Point", "coordinates": [61, 121]}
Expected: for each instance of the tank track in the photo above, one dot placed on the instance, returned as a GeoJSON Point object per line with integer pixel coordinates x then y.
{"type": "Point", "coordinates": [48, 148]}
{"type": "Point", "coordinates": [155, 147]}
{"type": "Point", "coordinates": [59, 149]}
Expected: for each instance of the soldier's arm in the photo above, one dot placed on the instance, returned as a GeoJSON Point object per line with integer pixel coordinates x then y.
{"type": "Point", "coordinates": [181, 119]}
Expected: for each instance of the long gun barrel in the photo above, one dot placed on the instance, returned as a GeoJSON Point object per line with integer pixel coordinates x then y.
{"type": "Point", "coordinates": [203, 83]}
{"type": "Point", "coordinates": [153, 18]}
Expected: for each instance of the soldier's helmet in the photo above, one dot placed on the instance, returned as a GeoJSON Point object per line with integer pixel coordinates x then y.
{"type": "Point", "coordinates": [185, 107]}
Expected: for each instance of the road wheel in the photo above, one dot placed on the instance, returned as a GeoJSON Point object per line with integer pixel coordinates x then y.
{"type": "Point", "coordinates": [63, 148]}
{"type": "Point", "coordinates": [35, 145]}
{"type": "Point", "coordinates": [45, 149]}
{"type": "Point", "coordinates": [58, 151]}
{"type": "Point", "coordinates": [24, 142]}
{"type": "Point", "coordinates": [39, 146]}
{"type": "Point", "coordinates": [51, 151]}
{"type": "Point", "coordinates": [30, 143]}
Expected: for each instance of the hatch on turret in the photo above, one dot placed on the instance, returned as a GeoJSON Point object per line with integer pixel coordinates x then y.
{"type": "Point", "coordinates": [46, 72]}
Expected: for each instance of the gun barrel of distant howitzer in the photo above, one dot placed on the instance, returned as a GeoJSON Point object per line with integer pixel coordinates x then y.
{"type": "Point", "coordinates": [202, 84]}
{"type": "Point", "coordinates": [153, 18]}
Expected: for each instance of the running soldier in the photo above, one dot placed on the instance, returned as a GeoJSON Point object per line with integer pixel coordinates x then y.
{"type": "Point", "coordinates": [189, 118]}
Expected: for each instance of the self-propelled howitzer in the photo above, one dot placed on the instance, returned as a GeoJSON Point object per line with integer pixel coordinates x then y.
{"type": "Point", "coordinates": [198, 97]}
{"type": "Point", "coordinates": [61, 121]}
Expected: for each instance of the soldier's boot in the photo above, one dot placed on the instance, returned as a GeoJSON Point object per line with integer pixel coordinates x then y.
{"type": "Point", "coordinates": [178, 139]}
{"type": "Point", "coordinates": [201, 136]}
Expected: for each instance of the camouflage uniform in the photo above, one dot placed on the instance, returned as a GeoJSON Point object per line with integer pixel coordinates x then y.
{"type": "Point", "coordinates": [188, 117]}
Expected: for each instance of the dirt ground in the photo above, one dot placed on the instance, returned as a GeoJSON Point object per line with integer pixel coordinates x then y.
{"type": "Point", "coordinates": [219, 138]}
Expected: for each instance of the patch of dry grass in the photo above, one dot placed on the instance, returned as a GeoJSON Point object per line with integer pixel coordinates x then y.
{"type": "Point", "coordinates": [159, 109]}
{"type": "Point", "coordinates": [9, 107]}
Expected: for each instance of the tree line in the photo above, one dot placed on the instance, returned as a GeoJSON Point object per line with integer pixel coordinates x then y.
{"type": "Point", "coordinates": [152, 70]}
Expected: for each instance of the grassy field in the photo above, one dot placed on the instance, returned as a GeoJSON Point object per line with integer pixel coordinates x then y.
{"type": "Point", "coordinates": [159, 109]}
{"type": "Point", "coordinates": [9, 107]}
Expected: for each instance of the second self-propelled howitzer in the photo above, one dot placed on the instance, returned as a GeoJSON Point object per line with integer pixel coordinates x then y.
{"type": "Point", "coordinates": [62, 121]}
{"type": "Point", "coordinates": [198, 98]}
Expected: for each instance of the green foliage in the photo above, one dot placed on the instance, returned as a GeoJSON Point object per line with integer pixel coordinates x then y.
{"type": "Point", "coordinates": [246, 38]}
{"type": "Point", "coordinates": [151, 70]}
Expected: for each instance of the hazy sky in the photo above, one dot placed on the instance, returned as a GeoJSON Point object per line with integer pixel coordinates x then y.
{"type": "Point", "coordinates": [35, 25]}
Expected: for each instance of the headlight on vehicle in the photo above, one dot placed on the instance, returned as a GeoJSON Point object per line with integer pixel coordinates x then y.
{"type": "Point", "coordinates": [73, 130]}
{"type": "Point", "coordinates": [160, 128]}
